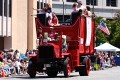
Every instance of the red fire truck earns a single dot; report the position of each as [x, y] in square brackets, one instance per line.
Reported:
[65, 48]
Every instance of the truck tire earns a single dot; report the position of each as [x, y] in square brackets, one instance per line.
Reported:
[66, 67]
[31, 70]
[84, 71]
[51, 72]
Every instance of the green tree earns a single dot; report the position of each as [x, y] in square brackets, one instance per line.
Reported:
[114, 28]
[100, 36]
[117, 16]
[115, 33]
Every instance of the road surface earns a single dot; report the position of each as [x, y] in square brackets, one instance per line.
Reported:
[107, 74]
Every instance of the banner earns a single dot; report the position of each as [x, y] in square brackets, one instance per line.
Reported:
[88, 31]
[82, 35]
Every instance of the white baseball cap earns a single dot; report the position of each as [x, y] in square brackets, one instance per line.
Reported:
[79, 1]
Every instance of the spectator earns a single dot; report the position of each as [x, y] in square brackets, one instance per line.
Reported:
[93, 60]
[5, 53]
[108, 63]
[1, 56]
[13, 63]
[98, 62]
[16, 55]
[17, 66]
[23, 66]
[112, 60]
[1, 64]
[11, 66]
[11, 53]
[6, 68]
[102, 61]
[27, 52]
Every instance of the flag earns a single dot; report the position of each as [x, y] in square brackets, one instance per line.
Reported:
[103, 28]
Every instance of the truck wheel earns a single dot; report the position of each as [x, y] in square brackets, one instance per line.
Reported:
[32, 74]
[66, 67]
[85, 69]
[31, 70]
[52, 72]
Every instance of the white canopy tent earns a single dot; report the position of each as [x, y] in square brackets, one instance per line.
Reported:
[107, 47]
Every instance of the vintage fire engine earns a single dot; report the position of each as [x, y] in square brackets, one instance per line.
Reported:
[53, 57]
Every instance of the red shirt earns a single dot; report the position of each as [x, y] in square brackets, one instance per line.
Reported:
[55, 20]
[1, 56]
[50, 23]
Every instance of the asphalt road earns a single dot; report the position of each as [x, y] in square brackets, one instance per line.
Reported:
[107, 74]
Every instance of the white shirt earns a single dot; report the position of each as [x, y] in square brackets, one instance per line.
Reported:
[17, 64]
[89, 13]
[81, 7]
[17, 55]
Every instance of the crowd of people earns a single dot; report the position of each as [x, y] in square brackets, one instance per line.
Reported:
[78, 7]
[102, 60]
[52, 19]
[14, 62]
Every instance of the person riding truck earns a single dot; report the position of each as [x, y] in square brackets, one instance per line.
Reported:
[64, 43]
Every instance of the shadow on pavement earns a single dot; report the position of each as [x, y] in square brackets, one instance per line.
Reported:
[40, 76]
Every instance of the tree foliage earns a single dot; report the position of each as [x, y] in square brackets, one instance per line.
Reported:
[114, 28]
[117, 16]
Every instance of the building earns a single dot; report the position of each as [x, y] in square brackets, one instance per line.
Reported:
[104, 8]
[17, 26]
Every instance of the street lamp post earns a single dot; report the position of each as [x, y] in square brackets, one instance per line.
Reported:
[93, 7]
[63, 9]
[39, 4]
